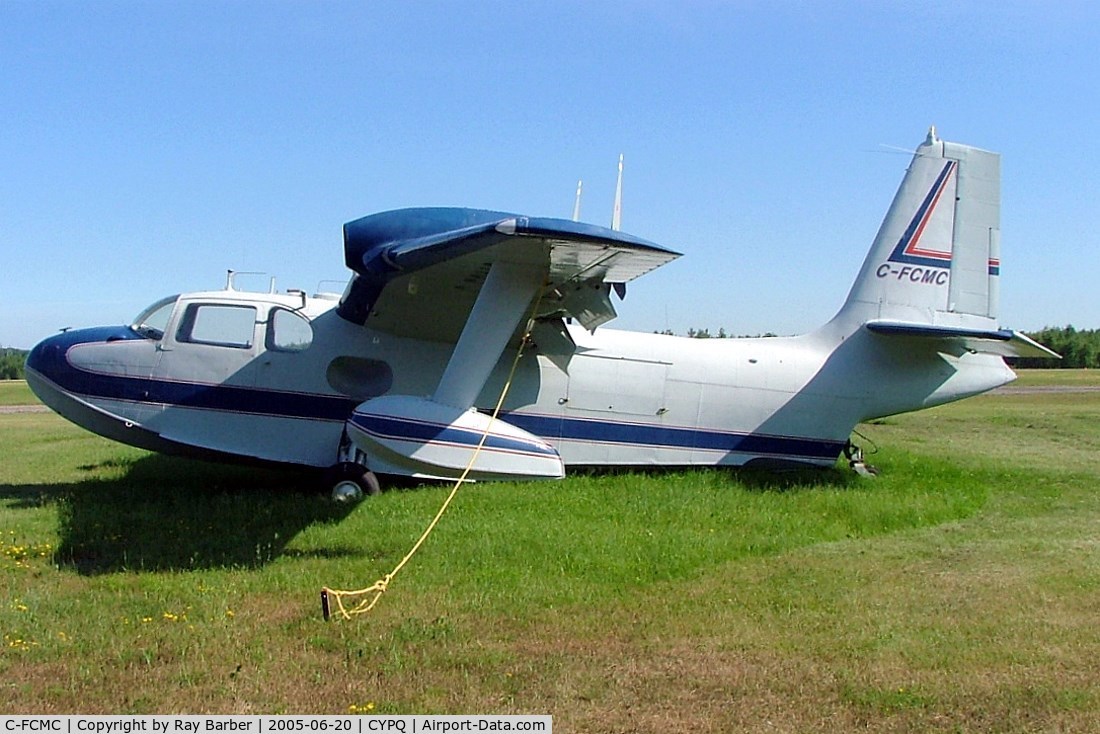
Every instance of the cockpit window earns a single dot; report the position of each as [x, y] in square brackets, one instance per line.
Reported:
[218, 324]
[288, 331]
[152, 322]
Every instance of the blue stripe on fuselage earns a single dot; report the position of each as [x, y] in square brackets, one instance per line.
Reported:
[641, 434]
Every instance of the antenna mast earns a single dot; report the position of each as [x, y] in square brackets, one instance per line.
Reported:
[617, 213]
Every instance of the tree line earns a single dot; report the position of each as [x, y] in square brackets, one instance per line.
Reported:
[11, 363]
[720, 334]
[1079, 348]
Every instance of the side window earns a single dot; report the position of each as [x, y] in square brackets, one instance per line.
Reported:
[218, 324]
[288, 331]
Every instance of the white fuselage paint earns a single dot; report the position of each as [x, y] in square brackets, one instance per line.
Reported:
[622, 399]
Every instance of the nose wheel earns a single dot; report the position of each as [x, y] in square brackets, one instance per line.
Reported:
[350, 482]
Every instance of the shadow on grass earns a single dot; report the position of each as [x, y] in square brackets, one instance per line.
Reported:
[170, 514]
[766, 478]
[795, 479]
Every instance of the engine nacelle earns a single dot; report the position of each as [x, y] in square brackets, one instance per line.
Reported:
[417, 437]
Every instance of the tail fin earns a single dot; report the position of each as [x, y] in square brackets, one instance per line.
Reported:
[936, 259]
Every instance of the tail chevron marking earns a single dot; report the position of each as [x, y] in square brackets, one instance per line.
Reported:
[908, 249]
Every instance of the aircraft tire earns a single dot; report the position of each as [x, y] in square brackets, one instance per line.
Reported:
[349, 482]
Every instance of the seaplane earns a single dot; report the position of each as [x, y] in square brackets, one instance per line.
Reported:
[400, 374]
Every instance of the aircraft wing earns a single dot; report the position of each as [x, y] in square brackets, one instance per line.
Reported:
[1005, 342]
[418, 272]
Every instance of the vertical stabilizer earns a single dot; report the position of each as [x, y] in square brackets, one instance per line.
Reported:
[936, 259]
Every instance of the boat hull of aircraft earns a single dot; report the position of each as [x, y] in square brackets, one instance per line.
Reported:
[631, 399]
[661, 410]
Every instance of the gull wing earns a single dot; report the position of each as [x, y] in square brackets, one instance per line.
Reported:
[418, 272]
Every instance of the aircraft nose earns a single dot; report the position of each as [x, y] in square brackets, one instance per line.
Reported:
[48, 355]
[45, 370]
[48, 359]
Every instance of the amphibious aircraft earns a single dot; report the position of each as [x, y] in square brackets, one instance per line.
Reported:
[397, 375]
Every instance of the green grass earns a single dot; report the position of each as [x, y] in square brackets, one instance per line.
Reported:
[1063, 378]
[956, 592]
[16, 392]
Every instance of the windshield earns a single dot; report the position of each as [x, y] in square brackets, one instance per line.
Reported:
[152, 322]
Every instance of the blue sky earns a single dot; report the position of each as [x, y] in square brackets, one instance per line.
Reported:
[146, 147]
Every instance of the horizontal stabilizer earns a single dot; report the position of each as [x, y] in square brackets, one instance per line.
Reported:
[1005, 342]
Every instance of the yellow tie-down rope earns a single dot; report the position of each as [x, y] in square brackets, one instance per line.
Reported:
[378, 588]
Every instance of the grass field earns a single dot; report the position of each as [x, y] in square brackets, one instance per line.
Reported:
[956, 592]
[16, 392]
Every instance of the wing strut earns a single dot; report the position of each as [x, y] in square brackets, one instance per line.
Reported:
[502, 302]
[433, 437]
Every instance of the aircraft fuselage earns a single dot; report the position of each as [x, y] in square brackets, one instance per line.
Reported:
[622, 399]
